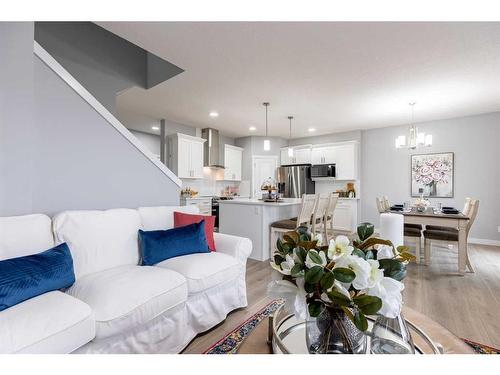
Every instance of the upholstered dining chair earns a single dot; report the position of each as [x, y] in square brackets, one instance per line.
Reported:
[309, 202]
[465, 211]
[450, 235]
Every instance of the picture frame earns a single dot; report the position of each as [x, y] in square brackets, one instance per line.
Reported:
[434, 173]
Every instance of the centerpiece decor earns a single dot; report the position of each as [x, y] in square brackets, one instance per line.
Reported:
[335, 287]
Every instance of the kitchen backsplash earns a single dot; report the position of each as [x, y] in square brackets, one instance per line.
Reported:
[210, 185]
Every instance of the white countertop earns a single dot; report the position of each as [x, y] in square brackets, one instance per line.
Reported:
[258, 202]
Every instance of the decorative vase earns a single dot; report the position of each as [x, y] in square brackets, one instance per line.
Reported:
[332, 332]
[391, 336]
[432, 189]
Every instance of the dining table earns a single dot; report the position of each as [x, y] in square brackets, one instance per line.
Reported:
[430, 217]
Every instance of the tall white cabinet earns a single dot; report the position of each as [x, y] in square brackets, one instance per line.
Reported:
[232, 162]
[185, 157]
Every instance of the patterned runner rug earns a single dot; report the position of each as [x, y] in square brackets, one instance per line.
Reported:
[230, 343]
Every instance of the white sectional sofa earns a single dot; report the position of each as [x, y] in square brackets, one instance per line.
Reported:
[116, 305]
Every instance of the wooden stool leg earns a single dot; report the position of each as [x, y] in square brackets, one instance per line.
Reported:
[427, 251]
[417, 249]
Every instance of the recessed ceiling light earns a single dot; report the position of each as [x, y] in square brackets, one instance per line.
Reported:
[155, 127]
[310, 130]
[213, 114]
[252, 128]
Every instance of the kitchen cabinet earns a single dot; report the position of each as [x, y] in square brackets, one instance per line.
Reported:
[185, 157]
[233, 157]
[344, 155]
[301, 155]
[345, 216]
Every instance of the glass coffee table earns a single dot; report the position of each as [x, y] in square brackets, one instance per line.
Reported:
[287, 335]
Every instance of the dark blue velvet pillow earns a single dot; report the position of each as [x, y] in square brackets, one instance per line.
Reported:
[159, 245]
[29, 276]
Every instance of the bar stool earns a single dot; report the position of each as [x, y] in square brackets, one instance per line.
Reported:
[309, 202]
[319, 215]
[328, 220]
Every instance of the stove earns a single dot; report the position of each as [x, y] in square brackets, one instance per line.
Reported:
[215, 208]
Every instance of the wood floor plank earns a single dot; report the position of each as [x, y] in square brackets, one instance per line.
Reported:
[468, 306]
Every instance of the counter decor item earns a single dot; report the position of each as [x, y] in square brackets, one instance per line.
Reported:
[421, 204]
[433, 173]
[269, 185]
[335, 287]
[188, 193]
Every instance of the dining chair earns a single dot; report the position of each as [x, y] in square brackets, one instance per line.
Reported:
[319, 214]
[309, 202]
[328, 220]
[380, 205]
[465, 211]
[451, 234]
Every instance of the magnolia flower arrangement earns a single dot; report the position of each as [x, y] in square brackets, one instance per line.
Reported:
[431, 170]
[362, 278]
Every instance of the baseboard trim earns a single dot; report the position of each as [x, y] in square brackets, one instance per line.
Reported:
[484, 241]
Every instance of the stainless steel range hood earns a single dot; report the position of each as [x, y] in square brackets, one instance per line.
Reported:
[213, 152]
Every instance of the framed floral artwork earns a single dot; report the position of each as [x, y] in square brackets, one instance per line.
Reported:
[434, 174]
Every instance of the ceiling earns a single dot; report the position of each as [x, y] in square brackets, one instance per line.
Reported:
[331, 76]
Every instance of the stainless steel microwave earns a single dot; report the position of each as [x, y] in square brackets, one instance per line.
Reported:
[323, 170]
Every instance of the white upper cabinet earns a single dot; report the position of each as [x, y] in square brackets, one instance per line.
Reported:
[185, 157]
[323, 154]
[301, 155]
[232, 162]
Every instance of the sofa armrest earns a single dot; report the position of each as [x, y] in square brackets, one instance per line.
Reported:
[238, 247]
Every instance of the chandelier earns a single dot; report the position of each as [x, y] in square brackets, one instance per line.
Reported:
[415, 139]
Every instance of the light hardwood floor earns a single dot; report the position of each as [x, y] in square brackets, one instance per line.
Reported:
[468, 306]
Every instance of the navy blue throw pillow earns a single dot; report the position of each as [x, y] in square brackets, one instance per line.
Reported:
[159, 245]
[29, 276]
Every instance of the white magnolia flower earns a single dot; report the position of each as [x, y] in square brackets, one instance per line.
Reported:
[359, 266]
[285, 267]
[309, 262]
[317, 237]
[339, 247]
[389, 291]
[385, 252]
[376, 274]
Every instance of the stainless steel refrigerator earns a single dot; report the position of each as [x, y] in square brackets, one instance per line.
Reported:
[295, 180]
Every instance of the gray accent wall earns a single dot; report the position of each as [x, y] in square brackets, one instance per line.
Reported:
[474, 140]
[57, 153]
[104, 63]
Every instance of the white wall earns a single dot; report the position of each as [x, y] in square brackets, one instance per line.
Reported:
[474, 140]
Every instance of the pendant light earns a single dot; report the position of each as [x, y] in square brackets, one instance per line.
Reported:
[290, 149]
[267, 142]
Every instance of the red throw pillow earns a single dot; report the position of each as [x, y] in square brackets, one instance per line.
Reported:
[181, 219]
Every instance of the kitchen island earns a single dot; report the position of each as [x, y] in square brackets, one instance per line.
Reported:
[251, 218]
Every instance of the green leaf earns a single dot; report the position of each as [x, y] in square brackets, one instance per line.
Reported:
[278, 259]
[309, 288]
[304, 237]
[360, 321]
[359, 253]
[308, 245]
[393, 268]
[292, 238]
[314, 256]
[369, 255]
[344, 275]
[375, 241]
[302, 230]
[279, 245]
[327, 280]
[287, 248]
[301, 253]
[315, 308]
[365, 230]
[296, 270]
[368, 305]
[339, 298]
[313, 275]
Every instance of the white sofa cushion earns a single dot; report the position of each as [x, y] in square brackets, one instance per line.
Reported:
[99, 240]
[25, 235]
[125, 297]
[203, 270]
[50, 323]
[162, 217]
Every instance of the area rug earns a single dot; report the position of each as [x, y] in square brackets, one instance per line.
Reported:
[230, 343]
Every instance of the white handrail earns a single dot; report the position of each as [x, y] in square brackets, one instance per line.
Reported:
[99, 108]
